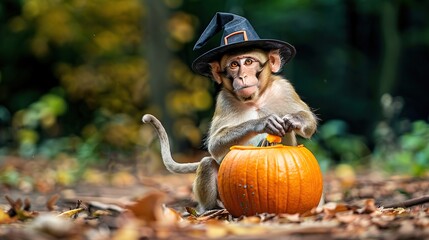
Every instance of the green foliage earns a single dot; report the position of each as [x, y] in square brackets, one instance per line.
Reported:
[333, 144]
[40, 116]
[409, 154]
[10, 176]
[400, 146]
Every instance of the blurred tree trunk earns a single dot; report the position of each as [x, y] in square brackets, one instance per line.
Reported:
[392, 47]
[158, 57]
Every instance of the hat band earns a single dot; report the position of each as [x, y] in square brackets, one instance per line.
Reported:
[235, 33]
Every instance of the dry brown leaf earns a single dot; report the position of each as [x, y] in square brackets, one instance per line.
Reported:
[331, 208]
[290, 218]
[170, 217]
[148, 208]
[52, 201]
[369, 207]
[19, 209]
[213, 214]
[346, 217]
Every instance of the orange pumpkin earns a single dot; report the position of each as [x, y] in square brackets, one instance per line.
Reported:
[272, 179]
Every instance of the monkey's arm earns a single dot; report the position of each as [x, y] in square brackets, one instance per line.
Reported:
[224, 135]
[223, 138]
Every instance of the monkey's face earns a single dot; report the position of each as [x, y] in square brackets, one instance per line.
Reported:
[240, 73]
[246, 74]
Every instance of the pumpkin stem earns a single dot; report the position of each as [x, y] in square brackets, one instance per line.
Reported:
[274, 139]
[270, 140]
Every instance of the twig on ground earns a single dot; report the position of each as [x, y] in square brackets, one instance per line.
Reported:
[409, 203]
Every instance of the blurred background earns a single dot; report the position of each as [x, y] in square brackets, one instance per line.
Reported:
[76, 77]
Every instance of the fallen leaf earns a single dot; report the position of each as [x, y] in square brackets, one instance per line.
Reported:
[5, 218]
[170, 216]
[369, 206]
[52, 201]
[290, 218]
[70, 213]
[213, 214]
[192, 211]
[130, 231]
[149, 207]
[216, 229]
[332, 208]
[346, 217]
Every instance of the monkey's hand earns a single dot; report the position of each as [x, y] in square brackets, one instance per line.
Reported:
[272, 124]
[292, 122]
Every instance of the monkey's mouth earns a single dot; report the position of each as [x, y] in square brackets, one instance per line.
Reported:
[247, 92]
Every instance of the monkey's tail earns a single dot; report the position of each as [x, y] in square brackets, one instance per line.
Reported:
[169, 162]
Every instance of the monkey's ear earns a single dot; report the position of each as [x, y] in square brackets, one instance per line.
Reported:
[215, 68]
[275, 60]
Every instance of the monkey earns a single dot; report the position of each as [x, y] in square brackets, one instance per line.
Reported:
[253, 101]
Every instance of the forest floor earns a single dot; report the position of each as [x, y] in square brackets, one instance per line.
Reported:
[128, 205]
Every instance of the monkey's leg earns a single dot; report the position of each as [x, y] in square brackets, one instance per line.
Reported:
[205, 184]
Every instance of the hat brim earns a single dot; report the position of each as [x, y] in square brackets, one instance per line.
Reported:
[201, 64]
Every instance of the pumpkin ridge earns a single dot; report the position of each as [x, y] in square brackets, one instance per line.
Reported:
[289, 190]
[287, 184]
[250, 167]
[266, 164]
[245, 195]
[301, 179]
[238, 189]
[304, 173]
[272, 186]
[256, 198]
[229, 196]
[235, 201]
[287, 197]
[282, 182]
[277, 185]
[263, 194]
[310, 165]
[317, 179]
[293, 208]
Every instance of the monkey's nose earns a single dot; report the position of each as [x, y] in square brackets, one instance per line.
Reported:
[243, 77]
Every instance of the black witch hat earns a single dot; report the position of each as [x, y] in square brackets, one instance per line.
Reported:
[237, 33]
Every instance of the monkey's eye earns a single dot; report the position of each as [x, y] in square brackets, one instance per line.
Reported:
[248, 61]
[233, 65]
